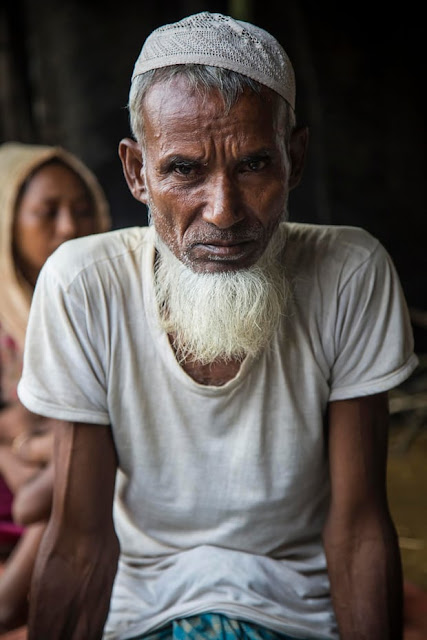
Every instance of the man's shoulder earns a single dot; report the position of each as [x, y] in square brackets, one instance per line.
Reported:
[97, 252]
[333, 244]
[336, 237]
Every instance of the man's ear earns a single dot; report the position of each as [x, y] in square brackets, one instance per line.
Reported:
[132, 162]
[298, 149]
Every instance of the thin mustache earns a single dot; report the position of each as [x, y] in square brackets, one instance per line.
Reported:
[224, 236]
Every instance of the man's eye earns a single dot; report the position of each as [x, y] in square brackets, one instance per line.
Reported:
[256, 164]
[184, 169]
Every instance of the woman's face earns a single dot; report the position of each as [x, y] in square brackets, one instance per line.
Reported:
[55, 206]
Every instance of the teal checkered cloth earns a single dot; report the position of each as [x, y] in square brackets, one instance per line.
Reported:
[212, 626]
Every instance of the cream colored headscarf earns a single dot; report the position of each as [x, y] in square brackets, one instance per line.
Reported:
[17, 162]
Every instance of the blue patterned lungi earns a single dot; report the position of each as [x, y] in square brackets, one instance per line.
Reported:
[212, 626]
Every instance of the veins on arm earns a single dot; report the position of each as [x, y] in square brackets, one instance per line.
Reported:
[359, 536]
[78, 556]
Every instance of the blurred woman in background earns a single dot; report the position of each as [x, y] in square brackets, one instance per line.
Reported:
[47, 196]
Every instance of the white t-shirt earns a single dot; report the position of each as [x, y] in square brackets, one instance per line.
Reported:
[222, 492]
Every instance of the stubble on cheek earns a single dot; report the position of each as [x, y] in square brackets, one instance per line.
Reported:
[187, 243]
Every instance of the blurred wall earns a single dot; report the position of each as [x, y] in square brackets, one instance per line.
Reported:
[64, 78]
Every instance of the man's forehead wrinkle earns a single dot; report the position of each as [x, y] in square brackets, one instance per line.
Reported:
[169, 107]
[208, 144]
[186, 124]
[195, 132]
[186, 137]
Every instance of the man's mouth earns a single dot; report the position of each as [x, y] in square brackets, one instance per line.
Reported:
[223, 250]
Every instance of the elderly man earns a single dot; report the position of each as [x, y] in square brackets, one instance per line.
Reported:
[221, 376]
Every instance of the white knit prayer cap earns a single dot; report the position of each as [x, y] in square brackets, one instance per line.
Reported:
[220, 41]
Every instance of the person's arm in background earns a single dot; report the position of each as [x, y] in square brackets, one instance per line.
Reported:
[77, 560]
[360, 540]
[32, 502]
[23, 432]
[15, 419]
[15, 579]
[27, 467]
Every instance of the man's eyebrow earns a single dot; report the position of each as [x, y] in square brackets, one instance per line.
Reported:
[259, 154]
[178, 158]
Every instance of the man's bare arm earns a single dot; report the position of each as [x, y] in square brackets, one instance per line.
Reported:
[78, 556]
[360, 539]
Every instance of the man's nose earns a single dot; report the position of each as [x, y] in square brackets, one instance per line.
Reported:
[223, 206]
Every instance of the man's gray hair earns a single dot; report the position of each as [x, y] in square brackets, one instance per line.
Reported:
[203, 79]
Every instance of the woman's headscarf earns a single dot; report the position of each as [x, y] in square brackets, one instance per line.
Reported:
[17, 162]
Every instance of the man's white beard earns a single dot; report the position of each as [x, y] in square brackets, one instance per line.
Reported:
[225, 315]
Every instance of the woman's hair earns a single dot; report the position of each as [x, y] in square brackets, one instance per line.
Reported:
[203, 79]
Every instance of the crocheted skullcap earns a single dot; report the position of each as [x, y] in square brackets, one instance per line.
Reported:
[220, 41]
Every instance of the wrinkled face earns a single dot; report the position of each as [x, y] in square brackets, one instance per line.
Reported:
[217, 183]
[55, 206]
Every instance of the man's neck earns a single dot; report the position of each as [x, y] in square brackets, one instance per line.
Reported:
[215, 373]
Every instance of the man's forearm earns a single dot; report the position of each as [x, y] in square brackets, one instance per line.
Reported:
[366, 584]
[71, 588]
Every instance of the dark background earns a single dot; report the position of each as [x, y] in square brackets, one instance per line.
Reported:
[65, 69]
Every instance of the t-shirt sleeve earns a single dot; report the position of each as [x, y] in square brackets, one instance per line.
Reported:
[63, 373]
[373, 338]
